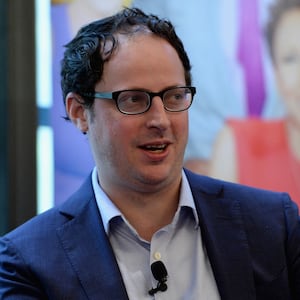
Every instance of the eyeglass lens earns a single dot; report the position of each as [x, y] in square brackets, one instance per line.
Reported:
[176, 99]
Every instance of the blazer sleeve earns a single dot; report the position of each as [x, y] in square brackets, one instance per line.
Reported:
[293, 246]
[16, 280]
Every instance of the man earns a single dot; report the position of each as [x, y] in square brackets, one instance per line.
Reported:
[141, 227]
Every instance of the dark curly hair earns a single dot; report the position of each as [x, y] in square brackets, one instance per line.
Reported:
[277, 10]
[84, 57]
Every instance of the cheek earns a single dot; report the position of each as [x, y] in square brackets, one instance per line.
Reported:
[290, 95]
[181, 128]
[116, 133]
[288, 81]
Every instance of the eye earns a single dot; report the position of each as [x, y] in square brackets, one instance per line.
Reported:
[131, 97]
[135, 98]
[290, 58]
[179, 96]
[176, 94]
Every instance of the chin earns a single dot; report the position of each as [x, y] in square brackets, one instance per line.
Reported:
[157, 174]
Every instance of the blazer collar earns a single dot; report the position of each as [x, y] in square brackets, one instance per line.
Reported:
[224, 237]
[88, 249]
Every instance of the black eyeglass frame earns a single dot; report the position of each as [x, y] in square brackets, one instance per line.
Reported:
[114, 96]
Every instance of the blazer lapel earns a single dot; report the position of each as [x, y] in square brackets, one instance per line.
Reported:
[88, 249]
[224, 237]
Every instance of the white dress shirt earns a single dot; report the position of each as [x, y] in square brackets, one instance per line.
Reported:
[178, 245]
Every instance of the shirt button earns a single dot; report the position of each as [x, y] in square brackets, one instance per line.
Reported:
[157, 255]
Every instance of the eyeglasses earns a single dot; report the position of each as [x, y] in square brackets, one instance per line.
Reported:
[133, 102]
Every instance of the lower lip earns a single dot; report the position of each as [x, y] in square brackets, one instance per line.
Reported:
[156, 156]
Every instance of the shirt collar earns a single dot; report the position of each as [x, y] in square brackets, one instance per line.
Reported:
[108, 210]
[186, 198]
[106, 207]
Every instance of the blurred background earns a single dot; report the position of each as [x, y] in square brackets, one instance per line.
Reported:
[244, 122]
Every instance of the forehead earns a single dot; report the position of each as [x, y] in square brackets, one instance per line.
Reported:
[145, 49]
[142, 59]
[287, 32]
[289, 23]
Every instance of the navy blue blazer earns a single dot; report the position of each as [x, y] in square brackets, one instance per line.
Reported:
[252, 239]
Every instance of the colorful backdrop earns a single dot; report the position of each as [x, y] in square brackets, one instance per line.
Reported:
[244, 122]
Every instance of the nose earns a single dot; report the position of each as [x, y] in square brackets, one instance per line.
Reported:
[157, 116]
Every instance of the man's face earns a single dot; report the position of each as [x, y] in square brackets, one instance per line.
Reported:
[287, 62]
[139, 152]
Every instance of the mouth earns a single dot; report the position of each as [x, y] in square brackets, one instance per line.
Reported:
[155, 148]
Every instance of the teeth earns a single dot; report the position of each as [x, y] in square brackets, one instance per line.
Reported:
[155, 147]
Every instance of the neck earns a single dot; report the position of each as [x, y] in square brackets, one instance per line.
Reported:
[148, 212]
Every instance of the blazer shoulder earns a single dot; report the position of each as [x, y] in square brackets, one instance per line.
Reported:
[46, 223]
[247, 196]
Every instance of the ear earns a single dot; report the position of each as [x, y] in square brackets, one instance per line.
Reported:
[77, 111]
